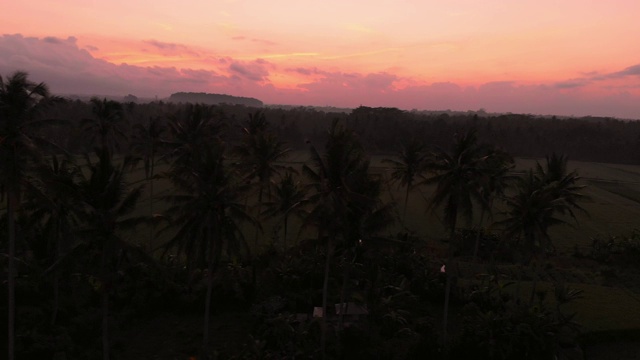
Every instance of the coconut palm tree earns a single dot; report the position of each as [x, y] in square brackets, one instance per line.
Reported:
[289, 200]
[566, 184]
[412, 164]
[543, 198]
[189, 133]
[206, 206]
[497, 176]
[107, 125]
[20, 103]
[147, 142]
[331, 195]
[259, 156]
[260, 152]
[256, 123]
[457, 177]
[366, 217]
[108, 202]
[52, 201]
[206, 209]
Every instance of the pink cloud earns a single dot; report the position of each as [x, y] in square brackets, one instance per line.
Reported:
[69, 69]
[253, 71]
[171, 48]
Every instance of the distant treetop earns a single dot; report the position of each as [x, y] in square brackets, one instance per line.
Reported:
[213, 99]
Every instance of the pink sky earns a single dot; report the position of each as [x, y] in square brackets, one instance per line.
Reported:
[543, 57]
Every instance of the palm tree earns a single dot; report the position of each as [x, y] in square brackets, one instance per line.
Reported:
[107, 125]
[496, 177]
[411, 165]
[107, 203]
[53, 203]
[206, 207]
[457, 178]
[289, 199]
[189, 133]
[366, 217]
[566, 184]
[146, 144]
[256, 123]
[329, 176]
[542, 199]
[259, 153]
[20, 102]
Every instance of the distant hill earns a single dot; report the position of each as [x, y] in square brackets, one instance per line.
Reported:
[213, 99]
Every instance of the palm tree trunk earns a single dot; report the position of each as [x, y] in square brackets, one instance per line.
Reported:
[286, 219]
[105, 325]
[447, 291]
[406, 201]
[344, 303]
[325, 294]
[214, 249]
[56, 296]
[255, 243]
[61, 233]
[207, 307]
[105, 303]
[12, 203]
[152, 227]
[477, 245]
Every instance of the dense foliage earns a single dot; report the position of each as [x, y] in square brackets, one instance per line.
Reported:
[145, 210]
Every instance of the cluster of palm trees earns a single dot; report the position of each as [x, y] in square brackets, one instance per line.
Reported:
[82, 206]
[473, 176]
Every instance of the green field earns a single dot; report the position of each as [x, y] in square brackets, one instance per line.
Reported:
[613, 207]
[612, 204]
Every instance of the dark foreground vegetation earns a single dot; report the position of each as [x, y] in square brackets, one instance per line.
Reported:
[193, 231]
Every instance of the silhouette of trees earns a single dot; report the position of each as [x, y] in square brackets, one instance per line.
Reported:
[146, 143]
[20, 103]
[290, 199]
[334, 177]
[412, 164]
[206, 207]
[107, 126]
[458, 175]
[75, 213]
[260, 152]
[543, 198]
[497, 175]
[53, 203]
[108, 201]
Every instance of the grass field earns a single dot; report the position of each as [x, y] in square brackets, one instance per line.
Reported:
[612, 204]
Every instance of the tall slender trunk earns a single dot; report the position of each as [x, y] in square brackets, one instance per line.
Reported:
[105, 301]
[447, 291]
[406, 201]
[534, 285]
[344, 301]
[325, 294]
[61, 233]
[12, 202]
[286, 219]
[150, 180]
[477, 244]
[56, 281]
[255, 243]
[207, 306]
[105, 325]
[215, 248]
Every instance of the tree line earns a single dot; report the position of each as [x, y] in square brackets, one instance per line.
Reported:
[72, 207]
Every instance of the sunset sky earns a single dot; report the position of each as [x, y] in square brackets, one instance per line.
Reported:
[564, 57]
